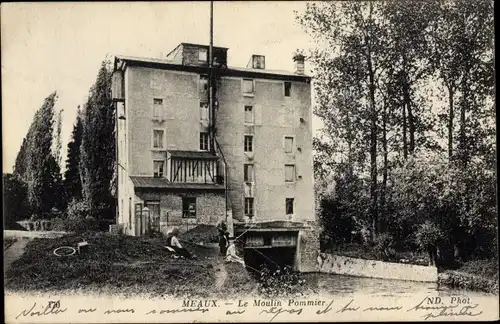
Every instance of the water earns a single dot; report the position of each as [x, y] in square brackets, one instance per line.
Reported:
[343, 286]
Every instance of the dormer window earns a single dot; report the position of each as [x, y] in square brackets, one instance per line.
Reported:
[202, 55]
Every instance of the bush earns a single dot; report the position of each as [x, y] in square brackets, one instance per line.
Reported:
[468, 281]
[279, 283]
[79, 220]
[384, 246]
[59, 224]
[428, 235]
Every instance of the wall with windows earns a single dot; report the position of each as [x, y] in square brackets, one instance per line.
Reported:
[184, 209]
[163, 113]
[263, 123]
[267, 124]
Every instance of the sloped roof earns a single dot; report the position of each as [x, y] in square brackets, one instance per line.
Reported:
[204, 155]
[229, 71]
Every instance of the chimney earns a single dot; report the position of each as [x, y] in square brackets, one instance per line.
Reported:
[299, 58]
[257, 62]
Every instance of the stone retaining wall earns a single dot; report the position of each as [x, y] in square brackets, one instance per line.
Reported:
[329, 263]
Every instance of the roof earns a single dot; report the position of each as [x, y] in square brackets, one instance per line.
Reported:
[202, 45]
[163, 183]
[270, 225]
[205, 155]
[229, 71]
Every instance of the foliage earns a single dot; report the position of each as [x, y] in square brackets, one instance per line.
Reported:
[379, 162]
[72, 180]
[279, 283]
[37, 166]
[79, 217]
[469, 281]
[14, 199]
[97, 157]
[384, 247]
[428, 235]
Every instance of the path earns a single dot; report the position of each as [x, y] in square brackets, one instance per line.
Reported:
[220, 275]
[14, 252]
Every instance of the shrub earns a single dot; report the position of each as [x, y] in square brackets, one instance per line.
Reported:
[428, 235]
[59, 224]
[384, 246]
[278, 283]
[79, 220]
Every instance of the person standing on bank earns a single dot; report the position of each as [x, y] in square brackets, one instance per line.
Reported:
[223, 238]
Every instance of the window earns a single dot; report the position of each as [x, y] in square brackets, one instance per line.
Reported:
[157, 108]
[203, 83]
[288, 144]
[158, 167]
[288, 88]
[248, 143]
[202, 55]
[289, 206]
[204, 141]
[248, 172]
[158, 139]
[249, 206]
[249, 115]
[289, 173]
[248, 86]
[203, 111]
[188, 207]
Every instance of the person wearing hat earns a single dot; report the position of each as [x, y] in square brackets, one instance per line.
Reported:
[223, 238]
[231, 253]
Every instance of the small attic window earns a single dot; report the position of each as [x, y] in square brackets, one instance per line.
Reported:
[202, 55]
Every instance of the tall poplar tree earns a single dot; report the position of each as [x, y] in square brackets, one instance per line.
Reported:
[72, 181]
[98, 148]
[36, 164]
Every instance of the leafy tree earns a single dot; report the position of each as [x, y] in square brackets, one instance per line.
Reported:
[36, 164]
[72, 181]
[463, 43]
[375, 65]
[14, 199]
[357, 40]
[98, 148]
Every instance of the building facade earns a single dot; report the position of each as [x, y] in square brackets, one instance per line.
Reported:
[242, 155]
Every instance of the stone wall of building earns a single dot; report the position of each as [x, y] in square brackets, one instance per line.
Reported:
[308, 249]
[210, 208]
[275, 116]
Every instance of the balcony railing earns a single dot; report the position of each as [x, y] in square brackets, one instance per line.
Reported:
[195, 167]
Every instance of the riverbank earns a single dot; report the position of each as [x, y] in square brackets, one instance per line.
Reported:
[479, 275]
[115, 263]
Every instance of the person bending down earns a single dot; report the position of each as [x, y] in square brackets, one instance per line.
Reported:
[173, 242]
[231, 253]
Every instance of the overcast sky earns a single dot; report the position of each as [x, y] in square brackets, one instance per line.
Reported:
[60, 46]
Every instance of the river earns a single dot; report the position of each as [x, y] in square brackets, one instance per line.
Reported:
[339, 285]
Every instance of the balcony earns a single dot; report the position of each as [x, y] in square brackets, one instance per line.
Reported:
[194, 167]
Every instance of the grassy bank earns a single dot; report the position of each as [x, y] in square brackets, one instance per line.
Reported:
[480, 275]
[114, 263]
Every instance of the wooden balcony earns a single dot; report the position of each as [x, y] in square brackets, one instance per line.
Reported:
[196, 167]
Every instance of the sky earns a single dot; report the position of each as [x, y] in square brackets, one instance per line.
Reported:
[59, 47]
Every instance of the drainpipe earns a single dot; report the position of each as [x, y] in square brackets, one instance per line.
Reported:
[210, 80]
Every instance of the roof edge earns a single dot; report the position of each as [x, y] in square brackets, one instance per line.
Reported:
[235, 71]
